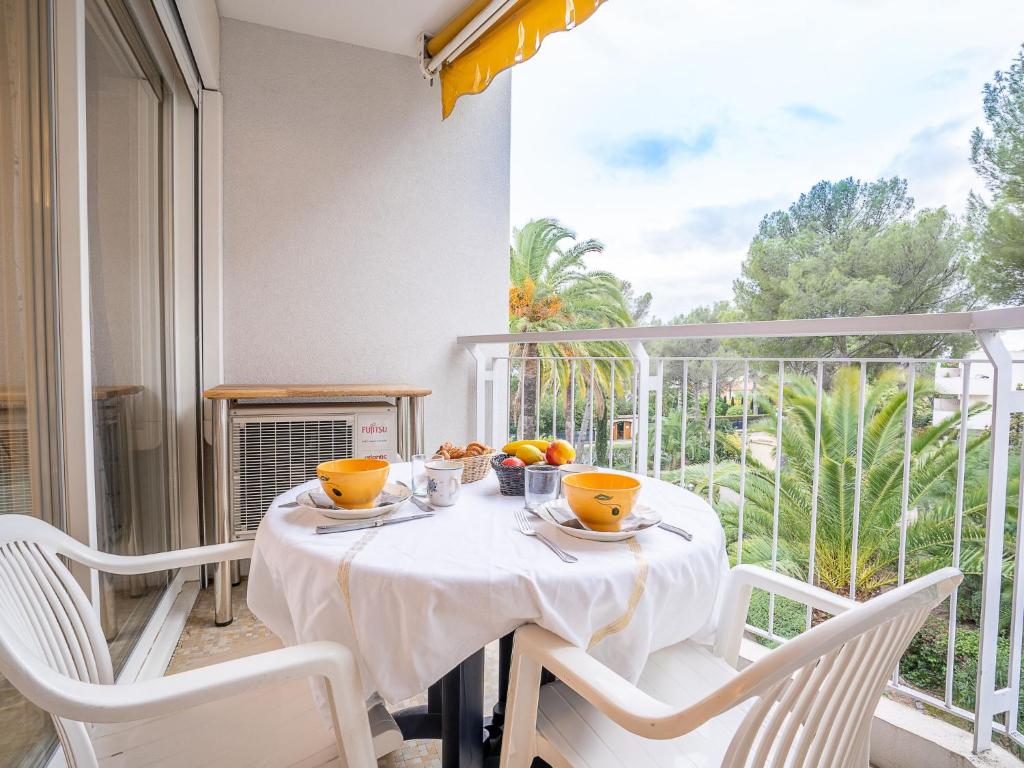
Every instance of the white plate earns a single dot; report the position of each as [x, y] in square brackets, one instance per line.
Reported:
[390, 499]
[558, 514]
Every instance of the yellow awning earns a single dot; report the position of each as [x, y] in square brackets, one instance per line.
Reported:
[514, 38]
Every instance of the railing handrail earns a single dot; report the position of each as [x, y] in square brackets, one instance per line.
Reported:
[1008, 318]
[746, 359]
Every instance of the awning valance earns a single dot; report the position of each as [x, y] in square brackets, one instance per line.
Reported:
[489, 36]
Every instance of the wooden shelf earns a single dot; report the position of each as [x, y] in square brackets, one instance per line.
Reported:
[110, 391]
[267, 391]
[100, 392]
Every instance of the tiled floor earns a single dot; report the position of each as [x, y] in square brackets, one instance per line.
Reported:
[202, 643]
[26, 734]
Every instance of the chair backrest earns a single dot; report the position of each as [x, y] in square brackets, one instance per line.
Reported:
[47, 624]
[814, 697]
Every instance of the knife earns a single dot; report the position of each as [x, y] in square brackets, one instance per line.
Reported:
[387, 502]
[676, 530]
[372, 524]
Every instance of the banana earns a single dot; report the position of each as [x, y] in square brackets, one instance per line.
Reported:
[510, 448]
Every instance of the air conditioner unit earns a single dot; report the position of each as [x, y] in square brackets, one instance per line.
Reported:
[276, 447]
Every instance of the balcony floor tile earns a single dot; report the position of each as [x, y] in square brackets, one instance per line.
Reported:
[202, 643]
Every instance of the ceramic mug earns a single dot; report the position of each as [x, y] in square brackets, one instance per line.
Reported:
[444, 480]
[571, 469]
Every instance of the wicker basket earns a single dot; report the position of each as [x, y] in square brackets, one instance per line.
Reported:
[511, 480]
[473, 467]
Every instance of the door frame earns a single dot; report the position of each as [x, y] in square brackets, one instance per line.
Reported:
[72, 245]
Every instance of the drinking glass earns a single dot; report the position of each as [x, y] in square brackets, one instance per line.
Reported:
[418, 462]
[541, 484]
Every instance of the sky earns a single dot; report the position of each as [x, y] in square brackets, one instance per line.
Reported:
[668, 128]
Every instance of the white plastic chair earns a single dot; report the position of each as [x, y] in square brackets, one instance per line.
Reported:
[807, 704]
[53, 651]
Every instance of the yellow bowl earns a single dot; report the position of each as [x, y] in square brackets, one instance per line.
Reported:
[601, 500]
[353, 483]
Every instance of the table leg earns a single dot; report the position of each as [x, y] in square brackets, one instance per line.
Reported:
[416, 436]
[454, 714]
[496, 726]
[434, 698]
[403, 422]
[222, 513]
[409, 440]
[462, 715]
[422, 722]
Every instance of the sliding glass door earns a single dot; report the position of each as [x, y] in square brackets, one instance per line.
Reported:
[98, 166]
[127, 311]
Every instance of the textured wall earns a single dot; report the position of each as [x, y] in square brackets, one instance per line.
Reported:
[361, 234]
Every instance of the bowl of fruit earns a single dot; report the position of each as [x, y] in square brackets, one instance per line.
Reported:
[510, 465]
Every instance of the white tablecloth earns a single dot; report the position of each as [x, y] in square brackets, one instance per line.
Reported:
[415, 599]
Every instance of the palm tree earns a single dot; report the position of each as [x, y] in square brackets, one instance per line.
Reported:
[933, 470]
[552, 290]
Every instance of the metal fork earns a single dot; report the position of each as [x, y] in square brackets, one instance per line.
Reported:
[526, 528]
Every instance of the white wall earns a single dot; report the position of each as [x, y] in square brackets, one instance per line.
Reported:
[361, 234]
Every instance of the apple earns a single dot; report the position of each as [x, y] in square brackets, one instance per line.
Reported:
[512, 461]
[560, 452]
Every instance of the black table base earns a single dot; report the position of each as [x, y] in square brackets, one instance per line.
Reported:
[454, 714]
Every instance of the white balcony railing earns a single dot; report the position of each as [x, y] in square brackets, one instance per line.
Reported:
[948, 486]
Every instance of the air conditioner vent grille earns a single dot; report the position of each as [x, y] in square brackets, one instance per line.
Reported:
[15, 484]
[269, 456]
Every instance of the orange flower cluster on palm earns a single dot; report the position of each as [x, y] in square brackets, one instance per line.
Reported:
[522, 303]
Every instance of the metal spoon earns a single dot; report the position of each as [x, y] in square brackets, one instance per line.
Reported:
[417, 500]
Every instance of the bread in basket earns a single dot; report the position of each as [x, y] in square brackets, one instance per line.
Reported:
[475, 459]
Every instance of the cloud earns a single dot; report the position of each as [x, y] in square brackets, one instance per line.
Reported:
[702, 277]
[811, 114]
[945, 78]
[655, 152]
[714, 227]
[935, 162]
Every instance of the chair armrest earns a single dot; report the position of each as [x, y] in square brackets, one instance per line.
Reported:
[92, 703]
[162, 561]
[740, 584]
[88, 702]
[125, 565]
[27, 528]
[612, 694]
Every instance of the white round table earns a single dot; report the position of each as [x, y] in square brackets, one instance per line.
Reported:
[418, 601]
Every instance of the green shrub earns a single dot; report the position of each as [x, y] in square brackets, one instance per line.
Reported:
[790, 617]
[924, 663]
[969, 605]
